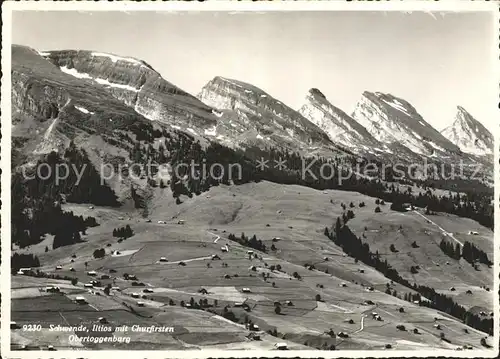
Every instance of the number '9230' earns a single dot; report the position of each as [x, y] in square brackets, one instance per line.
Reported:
[32, 327]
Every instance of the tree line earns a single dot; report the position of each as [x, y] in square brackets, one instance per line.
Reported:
[176, 147]
[251, 242]
[123, 232]
[41, 197]
[18, 261]
[472, 254]
[36, 199]
[475, 203]
[452, 251]
[469, 252]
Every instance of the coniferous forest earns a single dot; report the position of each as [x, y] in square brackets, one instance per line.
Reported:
[470, 199]
[36, 202]
[42, 197]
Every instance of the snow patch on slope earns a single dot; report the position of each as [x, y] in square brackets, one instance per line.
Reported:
[397, 105]
[84, 110]
[435, 146]
[115, 85]
[115, 58]
[104, 82]
[75, 73]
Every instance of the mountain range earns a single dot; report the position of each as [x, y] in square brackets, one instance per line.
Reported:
[235, 113]
[363, 263]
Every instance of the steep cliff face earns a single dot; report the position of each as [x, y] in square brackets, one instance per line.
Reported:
[390, 119]
[469, 134]
[340, 127]
[138, 85]
[50, 108]
[49, 103]
[250, 115]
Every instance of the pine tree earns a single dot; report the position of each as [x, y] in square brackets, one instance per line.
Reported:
[457, 251]
[128, 231]
[338, 226]
[77, 237]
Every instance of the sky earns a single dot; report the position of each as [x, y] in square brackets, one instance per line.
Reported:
[434, 61]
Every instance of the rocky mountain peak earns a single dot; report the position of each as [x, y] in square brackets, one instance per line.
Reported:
[339, 126]
[393, 120]
[317, 93]
[469, 134]
[250, 115]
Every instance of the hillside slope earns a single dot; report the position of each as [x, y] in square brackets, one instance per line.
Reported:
[297, 216]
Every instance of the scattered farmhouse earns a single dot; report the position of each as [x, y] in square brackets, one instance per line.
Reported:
[281, 346]
[80, 300]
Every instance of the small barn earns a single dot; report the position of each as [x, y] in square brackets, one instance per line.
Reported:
[80, 300]
[281, 346]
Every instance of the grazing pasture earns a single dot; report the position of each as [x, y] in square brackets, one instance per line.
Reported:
[303, 286]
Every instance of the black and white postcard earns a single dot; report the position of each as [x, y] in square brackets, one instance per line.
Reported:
[249, 179]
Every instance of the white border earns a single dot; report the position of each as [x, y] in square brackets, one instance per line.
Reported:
[229, 6]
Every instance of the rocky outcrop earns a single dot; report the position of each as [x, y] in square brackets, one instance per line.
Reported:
[340, 127]
[50, 104]
[469, 134]
[50, 108]
[249, 115]
[392, 120]
[138, 85]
